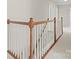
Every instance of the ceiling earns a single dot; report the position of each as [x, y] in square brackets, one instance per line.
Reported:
[62, 2]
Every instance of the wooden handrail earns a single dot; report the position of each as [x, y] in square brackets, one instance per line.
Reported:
[55, 40]
[17, 22]
[27, 23]
[51, 47]
[11, 53]
[39, 22]
[42, 22]
[14, 55]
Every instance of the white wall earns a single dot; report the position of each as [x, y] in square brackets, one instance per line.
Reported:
[64, 11]
[53, 9]
[23, 9]
[40, 8]
[18, 9]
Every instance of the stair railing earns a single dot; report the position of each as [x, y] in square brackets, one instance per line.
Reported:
[31, 25]
[55, 36]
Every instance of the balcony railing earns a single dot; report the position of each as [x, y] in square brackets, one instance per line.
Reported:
[43, 35]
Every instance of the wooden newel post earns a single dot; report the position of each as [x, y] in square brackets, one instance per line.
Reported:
[54, 29]
[31, 26]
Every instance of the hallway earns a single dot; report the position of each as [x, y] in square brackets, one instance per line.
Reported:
[62, 49]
